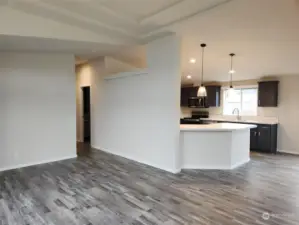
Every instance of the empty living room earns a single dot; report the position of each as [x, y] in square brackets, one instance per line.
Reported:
[149, 112]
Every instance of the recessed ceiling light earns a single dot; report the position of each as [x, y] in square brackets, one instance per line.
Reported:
[232, 71]
[192, 60]
[189, 76]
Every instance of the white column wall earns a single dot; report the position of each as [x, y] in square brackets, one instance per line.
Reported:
[137, 117]
[240, 152]
[206, 150]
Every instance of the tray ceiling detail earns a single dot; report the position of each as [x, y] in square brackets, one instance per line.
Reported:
[127, 19]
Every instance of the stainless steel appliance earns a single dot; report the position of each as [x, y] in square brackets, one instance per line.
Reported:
[196, 118]
[197, 102]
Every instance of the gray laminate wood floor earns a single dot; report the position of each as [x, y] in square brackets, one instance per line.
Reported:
[98, 188]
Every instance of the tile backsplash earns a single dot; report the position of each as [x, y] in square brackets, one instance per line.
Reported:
[268, 113]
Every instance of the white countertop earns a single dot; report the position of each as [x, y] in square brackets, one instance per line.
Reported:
[258, 121]
[215, 127]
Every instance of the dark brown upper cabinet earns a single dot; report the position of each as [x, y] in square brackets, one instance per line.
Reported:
[213, 95]
[184, 96]
[268, 93]
[193, 92]
[186, 93]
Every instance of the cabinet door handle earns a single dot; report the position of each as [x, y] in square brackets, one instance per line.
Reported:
[259, 133]
[254, 133]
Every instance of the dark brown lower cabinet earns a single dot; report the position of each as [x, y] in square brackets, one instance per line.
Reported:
[253, 138]
[264, 138]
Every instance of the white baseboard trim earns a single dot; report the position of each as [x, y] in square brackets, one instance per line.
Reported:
[36, 163]
[236, 165]
[175, 171]
[205, 167]
[209, 167]
[137, 160]
[288, 152]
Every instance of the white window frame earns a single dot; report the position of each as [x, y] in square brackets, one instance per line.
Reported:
[238, 87]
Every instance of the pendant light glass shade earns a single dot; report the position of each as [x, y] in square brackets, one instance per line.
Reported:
[231, 91]
[202, 91]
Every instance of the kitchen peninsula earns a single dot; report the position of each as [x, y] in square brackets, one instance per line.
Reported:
[215, 146]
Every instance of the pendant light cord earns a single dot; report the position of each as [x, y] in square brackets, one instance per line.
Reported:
[203, 50]
[202, 62]
[231, 69]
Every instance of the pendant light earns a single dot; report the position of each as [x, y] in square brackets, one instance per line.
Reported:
[202, 92]
[231, 72]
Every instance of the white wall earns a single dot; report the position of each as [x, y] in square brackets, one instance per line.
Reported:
[91, 74]
[287, 113]
[37, 113]
[138, 116]
[85, 77]
[113, 66]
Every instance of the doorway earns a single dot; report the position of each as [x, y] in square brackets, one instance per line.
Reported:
[86, 114]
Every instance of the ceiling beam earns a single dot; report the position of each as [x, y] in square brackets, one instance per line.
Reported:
[79, 20]
[87, 10]
[182, 19]
[149, 16]
[100, 4]
[117, 14]
[97, 5]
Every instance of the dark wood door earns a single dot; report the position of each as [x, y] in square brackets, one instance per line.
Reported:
[268, 94]
[254, 138]
[86, 113]
[264, 138]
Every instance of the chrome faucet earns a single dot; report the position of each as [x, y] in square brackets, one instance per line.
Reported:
[238, 113]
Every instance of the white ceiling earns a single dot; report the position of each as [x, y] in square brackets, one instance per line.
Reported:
[34, 44]
[264, 34]
[131, 19]
[84, 50]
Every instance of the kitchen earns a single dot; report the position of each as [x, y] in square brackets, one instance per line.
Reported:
[225, 106]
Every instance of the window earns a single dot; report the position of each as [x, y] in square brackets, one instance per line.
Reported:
[245, 99]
